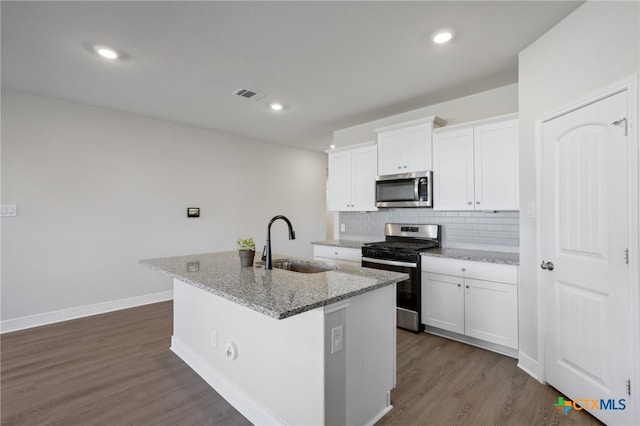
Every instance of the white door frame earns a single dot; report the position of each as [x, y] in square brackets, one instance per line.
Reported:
[629, 84]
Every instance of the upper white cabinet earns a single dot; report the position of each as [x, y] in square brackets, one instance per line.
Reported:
[475, 165]
[406, 147]
[352, 173]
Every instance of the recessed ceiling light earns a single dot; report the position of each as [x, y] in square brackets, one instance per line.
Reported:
[106, 52]
[276, 106]
[442, 37]
[332, 146]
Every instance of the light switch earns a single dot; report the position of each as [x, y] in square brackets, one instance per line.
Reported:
[214, 339]
[531, 210]
[8, 210]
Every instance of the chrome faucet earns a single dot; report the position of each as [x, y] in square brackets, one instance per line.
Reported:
[267, 249]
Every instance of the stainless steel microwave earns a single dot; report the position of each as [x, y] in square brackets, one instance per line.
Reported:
[405, 190]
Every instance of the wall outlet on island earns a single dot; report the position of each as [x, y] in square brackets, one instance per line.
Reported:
[337, 340]
[342, 227]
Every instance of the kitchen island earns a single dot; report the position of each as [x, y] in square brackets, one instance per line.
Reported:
[286, 347]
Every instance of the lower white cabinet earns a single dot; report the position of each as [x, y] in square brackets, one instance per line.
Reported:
[337, 255]
[474, 299]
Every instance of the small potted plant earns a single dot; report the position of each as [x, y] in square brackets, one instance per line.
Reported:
[247, 251]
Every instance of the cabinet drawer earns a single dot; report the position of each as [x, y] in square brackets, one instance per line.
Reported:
[338, 253]
[471, 269]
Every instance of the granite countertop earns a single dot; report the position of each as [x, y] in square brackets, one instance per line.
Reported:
[451, 253]
[277, 293]
[341, 243]
[475, 255]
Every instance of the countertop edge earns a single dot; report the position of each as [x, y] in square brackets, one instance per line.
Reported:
[354, 244]
[279, 315]
[486, 256]
[475, 256]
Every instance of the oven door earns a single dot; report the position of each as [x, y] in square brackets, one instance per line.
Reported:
[407, 291]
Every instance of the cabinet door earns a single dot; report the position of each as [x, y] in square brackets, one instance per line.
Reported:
[443, 302]
[364, 168]
[339, 186]
[391, 153]
[496, 166]
[418, 151]
[491, 312]
[453, 170]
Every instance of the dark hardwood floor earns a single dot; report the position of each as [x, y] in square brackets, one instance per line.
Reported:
[443, 382]
[116, 369]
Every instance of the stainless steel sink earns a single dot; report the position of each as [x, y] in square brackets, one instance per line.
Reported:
[299, 266]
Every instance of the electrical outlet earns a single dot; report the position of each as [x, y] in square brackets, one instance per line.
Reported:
[337, 339]
[342, 227]
[232, 351]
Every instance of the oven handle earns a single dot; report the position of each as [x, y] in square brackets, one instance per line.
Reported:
[390, 262]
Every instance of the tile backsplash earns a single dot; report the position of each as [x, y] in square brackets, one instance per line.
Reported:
[495, 231]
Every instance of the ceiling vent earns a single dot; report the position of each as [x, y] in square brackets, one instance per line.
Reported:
[249, 94]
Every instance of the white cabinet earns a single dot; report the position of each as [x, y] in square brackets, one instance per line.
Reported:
[406, 147]
[352, 173]
[337, 255]
[474, 299]
[475, 165]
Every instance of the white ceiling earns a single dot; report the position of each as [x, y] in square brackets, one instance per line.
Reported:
[332, 64]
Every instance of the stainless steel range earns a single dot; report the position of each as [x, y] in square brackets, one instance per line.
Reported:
[400, 252]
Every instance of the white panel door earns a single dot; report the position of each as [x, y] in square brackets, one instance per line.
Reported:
[496, 166]
[585, 234]
[443, 302]
[453, 170]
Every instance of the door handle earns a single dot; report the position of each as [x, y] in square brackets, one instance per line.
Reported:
[547, 265]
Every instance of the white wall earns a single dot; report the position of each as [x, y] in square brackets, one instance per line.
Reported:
[503, 100]
[594, 47]
[97, 190]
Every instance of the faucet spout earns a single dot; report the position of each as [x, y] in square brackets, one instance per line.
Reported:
[268, 264]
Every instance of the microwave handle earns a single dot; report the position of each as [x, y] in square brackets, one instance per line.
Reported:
[416, 189]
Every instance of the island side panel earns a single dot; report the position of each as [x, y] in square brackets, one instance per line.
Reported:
[371, 355]
[278, 375]
[335, 364]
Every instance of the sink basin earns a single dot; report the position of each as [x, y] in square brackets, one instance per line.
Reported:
[299, 266]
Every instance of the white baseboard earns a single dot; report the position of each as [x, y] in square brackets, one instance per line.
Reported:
[247, 406]
[529, 366]
[22, 323]
[494, 347]
[380, 415]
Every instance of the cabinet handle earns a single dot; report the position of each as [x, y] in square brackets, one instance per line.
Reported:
[466, 286]
[405, 167]
[477, 202]
[462, 269]
[459, 285]
[469, 202]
